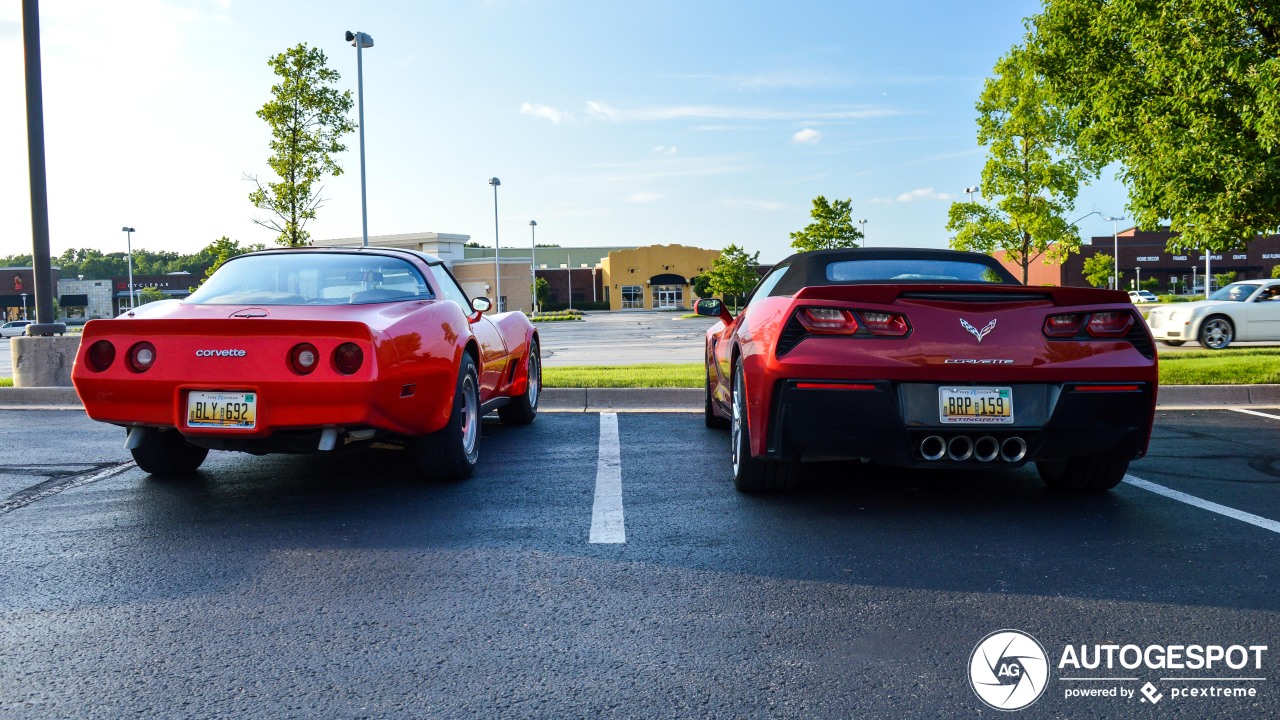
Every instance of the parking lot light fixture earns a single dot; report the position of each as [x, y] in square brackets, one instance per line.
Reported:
[361, 41]
[24, 305]
[133, 296]
[497, 268]
[971, 190]
[533, 263]
[862, 225]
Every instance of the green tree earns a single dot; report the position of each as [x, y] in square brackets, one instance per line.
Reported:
[1185, 95]
[1224, 279]
[542, 291]
[1098, 269]
[733, 274]
[149, 295]
[1032, 173]
[1275, 272]
[308, 117]
[702, 286]
[832, 227]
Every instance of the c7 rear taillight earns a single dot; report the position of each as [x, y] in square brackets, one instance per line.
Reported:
[348, 357]
[828, 321]
[101, 354]
[304, 358]
[1064, 326]
[1109, 324]
[884, 323]
[142, 356]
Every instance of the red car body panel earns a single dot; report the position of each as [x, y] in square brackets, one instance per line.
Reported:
[405, 385]
[937, 350]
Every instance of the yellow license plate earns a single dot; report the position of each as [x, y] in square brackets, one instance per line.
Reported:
[975, 405]
[222, 409]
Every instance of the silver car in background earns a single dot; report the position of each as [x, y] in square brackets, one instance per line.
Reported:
[1245, 311]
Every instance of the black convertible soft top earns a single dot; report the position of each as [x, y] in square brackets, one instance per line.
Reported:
[886, 266]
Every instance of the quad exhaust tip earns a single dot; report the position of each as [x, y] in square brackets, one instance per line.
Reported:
[933, 448]
[986, 449]
[1013, 449]
[960, 448]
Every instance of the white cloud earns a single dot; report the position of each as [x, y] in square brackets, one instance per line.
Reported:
[913, 195]
[807, 136]
[923, 194]
[544, 111]
[644, 197]
[665, 150]
[601, 111]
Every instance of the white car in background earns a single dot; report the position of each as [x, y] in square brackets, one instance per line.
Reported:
[1246, 311]
[14, 328]
[1142, 296]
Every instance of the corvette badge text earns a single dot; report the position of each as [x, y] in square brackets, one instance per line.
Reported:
[1010, 670]
[233, 352]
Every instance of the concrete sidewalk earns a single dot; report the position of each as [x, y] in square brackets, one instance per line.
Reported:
[1172, 397]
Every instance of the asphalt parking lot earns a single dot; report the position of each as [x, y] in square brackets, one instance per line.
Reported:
[304, 586]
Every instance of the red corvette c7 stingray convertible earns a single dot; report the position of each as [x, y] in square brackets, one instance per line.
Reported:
[312, 350]
[929, 359]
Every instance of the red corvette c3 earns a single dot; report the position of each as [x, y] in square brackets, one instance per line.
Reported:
[312, 350]
[928, 359]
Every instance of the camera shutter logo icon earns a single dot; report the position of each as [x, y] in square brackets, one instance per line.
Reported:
[1008, 670]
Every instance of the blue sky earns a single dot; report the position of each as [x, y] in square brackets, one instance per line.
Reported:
[610, 123]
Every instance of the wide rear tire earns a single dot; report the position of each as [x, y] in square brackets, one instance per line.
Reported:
[166, 452]
[452, 452]
[752, 474]
[522, 410]
[1083, 474]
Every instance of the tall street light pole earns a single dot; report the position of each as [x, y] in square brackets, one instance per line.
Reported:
[533, 262]
[24, 305]
[497, 269]
[862, 225]
[128, 244]
[971, 190]
[361, 41]
[1115, 248]
[41, 263]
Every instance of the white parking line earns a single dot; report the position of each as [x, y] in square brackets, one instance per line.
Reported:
[1255, 412]
[1212, 507]
[607, 522]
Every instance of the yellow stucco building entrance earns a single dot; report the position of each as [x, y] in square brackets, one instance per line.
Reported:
[654, 277]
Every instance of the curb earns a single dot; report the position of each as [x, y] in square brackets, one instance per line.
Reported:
[691, 399]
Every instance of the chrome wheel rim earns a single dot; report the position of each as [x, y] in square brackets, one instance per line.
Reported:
[535, 376]
[735, 435]
[470, 415]
[1217, 333]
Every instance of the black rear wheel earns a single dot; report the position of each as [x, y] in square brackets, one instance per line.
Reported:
[452, 452]
[752, 474]
[522, 410]
[1083, 474]
[166, 452]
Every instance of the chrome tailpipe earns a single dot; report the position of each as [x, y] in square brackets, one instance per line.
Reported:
[933, 448]
[1013, 449]
[960, 448]
[986, 449]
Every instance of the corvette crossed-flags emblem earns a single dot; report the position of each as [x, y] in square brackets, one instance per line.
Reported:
[975, 331]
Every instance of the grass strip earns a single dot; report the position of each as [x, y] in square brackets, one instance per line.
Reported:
[1241, 366]
[683, 375]
[6, 382]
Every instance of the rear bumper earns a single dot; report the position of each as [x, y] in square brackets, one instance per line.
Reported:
[887, 422]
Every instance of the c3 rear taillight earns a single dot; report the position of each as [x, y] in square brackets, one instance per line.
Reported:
[884, 323]
[348, 357]
[101, 354]
[828, 321]
[304, 358]
[1109, 324]
[1064, 326]
[142, 356]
